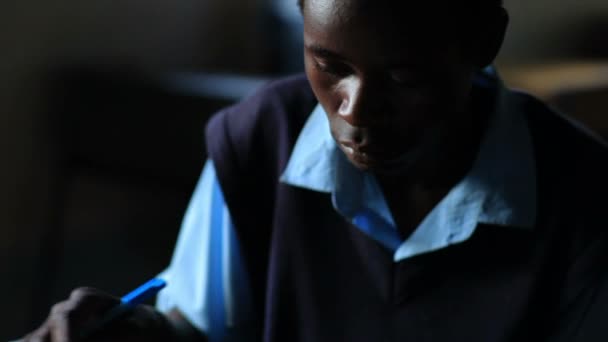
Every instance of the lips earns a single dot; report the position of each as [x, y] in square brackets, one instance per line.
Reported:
[362, 156]
[382, 162]
[363, 159]
[363, 150]
[368, 149]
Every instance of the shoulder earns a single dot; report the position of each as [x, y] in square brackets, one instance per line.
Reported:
[251, 141]
[571, 161]
[274, 113]
[564, 146]
[250, 144]
[572, 181]
[284, 99]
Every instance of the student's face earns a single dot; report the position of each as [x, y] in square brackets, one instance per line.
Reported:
[387, 76]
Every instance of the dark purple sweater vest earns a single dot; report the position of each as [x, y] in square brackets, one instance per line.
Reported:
[314, 277]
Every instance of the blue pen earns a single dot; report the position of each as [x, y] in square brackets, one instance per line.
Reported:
[127, 303]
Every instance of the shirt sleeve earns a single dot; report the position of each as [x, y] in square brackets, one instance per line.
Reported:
[205, 279]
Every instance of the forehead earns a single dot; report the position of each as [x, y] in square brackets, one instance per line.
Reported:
[378, 26]
[410, 13]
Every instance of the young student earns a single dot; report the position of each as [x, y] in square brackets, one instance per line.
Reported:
[396, 192]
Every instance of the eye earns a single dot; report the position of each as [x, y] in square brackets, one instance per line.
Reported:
[335, 69]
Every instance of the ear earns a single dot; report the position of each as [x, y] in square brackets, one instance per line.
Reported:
[489, 37]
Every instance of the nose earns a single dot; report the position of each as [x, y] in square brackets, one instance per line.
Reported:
[360, 103]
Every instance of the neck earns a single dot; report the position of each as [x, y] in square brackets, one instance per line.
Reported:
[411, 196]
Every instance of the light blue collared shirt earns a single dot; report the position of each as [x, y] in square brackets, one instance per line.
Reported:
[499, 189]
[207, 284]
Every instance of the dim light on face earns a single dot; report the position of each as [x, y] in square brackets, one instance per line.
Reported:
[393, 79]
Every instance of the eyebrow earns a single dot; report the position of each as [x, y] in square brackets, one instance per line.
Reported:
[323, 52]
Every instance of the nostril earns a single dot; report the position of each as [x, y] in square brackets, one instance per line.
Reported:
[358, 139]
[344, 107]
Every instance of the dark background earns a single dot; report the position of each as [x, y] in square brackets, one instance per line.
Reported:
[102, 108]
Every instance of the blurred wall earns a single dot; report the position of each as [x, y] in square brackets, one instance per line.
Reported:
[37, 36]
[548, 30]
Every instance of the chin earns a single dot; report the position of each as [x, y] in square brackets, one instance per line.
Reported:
[378, 166]
[361, 166]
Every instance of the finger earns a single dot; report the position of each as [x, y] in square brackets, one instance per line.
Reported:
[86, 305]
[83, 306]
[39, 335]
[60, 327]
[87, 298]
[42, 334]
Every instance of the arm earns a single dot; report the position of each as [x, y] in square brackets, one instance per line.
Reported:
[207, 280]
[206, 292]
[86, 305]
[182, 329]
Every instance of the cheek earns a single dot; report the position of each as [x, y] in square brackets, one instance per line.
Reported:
[324, 88]
[408, 109]
[444, 97]
[457, 87]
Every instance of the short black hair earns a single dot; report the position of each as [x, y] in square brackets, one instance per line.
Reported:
[492, 3]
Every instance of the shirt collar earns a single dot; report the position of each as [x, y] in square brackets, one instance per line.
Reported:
[501, 183]
[506, 165]
[500, 188]
[313, 162]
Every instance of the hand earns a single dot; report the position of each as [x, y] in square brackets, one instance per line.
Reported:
[86, 306]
